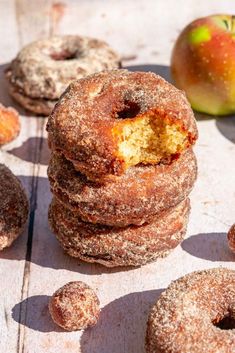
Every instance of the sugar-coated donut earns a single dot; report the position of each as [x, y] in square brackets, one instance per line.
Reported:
[14, 207]
[75, 306]
[112, 246]
[112, 120]
[133, 198]
[195, 314]
[43, 69]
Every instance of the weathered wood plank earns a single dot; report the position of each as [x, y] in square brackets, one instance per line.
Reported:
[144, 34]
[33, 20]
[127, 295]
[12, 260]
[21, 156]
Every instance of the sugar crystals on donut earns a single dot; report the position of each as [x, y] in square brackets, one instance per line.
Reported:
[119, 246]
[113, 120]
[135, 197]
[195, 314]
[14, 207]
[43, 69]
[75, 306]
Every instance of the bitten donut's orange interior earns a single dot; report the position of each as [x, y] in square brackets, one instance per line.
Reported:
[148, 139]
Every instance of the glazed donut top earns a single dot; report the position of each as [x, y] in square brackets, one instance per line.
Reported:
[44, 68]
[195, 314]
[97, 116]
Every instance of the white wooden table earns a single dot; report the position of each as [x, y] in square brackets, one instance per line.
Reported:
[35, 266]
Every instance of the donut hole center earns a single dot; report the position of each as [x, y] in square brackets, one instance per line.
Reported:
[64, 55]
[149, 139]
[226, 323]
[130, 110]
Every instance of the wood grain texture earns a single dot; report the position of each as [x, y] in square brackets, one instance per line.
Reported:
[143, 32]
[33, 22]
[22, 156]
[12, 261]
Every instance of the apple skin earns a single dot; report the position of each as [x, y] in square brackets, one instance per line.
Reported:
[203, 64]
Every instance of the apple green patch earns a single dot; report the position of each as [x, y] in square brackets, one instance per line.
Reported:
[199, 35]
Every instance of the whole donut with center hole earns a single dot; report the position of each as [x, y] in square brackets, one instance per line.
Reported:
[195, 314]
[112, 120]
[43, 69]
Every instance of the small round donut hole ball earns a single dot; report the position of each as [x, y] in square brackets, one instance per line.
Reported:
[231, 238]
[75, 306]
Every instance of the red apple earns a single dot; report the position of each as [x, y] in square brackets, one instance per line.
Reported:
[203, 64]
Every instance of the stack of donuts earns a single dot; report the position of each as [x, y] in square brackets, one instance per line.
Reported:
[121, 167]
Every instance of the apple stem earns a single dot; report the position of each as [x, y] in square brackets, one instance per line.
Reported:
[226, 24]
[233, 24]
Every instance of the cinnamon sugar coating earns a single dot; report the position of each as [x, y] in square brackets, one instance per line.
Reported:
[195, 314]
[85, 123]
[133, 198]
[9, 124]
[112, 246]
[14, 207]
[75, 306]
[43, 69]
[231, 238]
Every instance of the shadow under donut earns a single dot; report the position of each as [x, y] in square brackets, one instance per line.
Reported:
[33, 312]
[22, 151]
[203, 116]
[122, 325]
[209, 246]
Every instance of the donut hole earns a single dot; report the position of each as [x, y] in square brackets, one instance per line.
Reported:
[64, 55]
[226, 323]
[148, 139]
[131, 110]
